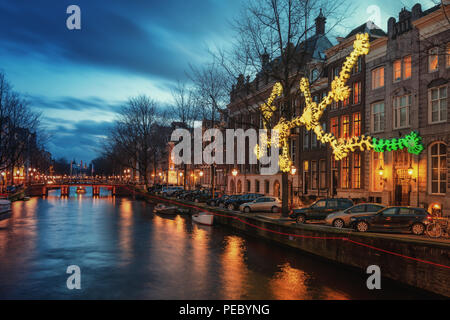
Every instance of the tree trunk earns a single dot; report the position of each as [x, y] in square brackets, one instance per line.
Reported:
[285, 194]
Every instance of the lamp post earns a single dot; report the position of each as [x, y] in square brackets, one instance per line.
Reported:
[293, 171]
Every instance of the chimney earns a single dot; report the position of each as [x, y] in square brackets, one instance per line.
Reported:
[320, 23]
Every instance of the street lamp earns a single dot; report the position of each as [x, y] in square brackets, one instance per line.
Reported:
[201, 173]
[234, 172]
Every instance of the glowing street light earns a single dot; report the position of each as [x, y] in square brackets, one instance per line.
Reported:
[234, 172]
[293, 170]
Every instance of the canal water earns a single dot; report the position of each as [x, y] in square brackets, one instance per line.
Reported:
[126, 252]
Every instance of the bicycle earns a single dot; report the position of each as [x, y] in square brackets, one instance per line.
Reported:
[438, 227]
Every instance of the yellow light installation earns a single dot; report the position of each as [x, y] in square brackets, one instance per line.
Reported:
[313, 112]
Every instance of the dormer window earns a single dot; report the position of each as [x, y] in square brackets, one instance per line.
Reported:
[314, 74]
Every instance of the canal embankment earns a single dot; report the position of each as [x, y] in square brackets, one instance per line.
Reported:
[416, 262]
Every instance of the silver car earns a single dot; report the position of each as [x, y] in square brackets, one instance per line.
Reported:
[341, 219]
[272, 204]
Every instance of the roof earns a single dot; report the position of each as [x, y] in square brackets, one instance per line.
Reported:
[369, 27]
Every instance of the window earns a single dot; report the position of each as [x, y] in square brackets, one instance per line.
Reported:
[314, 75]
[406, 67]
[356, 172]
[266, 186]
[447, 56]
[293, 149]
[345, 173]
[356, 124]
[314, 174]
[323, 173]
[305, 139]
[373, 208]
[335, 127]
[320, 204]
[378, 117]
[357, 66]
[390, 211]
[397, 70]
[401, 111]
[313, 140]
[345, 132]
[438, 168]
[356, 92]
[402, 69]
[438, 104]
[433, 60]
[378, 78]
[256, 185]
[249, 185]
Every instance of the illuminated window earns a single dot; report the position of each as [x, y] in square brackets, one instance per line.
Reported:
[433, 60]
[345, 173]
[323, 173]
[377, 117]
[345, 133]
[378, 78]
[397, 66]
[357, 66]
[407, 67]
[401, 111]
[438, 168]
[356, 92]
[356, 171]
[335, 127]
[438, 104]
[314, 174]
[356, 124]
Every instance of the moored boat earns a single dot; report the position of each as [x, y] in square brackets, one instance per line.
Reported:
[163, 209]
[203, 218]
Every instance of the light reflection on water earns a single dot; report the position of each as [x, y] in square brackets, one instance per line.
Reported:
[126, 252]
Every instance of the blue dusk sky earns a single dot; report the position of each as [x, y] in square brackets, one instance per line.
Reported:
[79, 79]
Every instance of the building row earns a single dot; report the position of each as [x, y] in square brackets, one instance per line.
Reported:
[401, 86]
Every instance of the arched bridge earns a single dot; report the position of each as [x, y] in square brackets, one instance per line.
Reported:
[117, 188]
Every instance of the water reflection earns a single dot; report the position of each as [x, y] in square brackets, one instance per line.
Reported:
[125, 251]
[235, 271]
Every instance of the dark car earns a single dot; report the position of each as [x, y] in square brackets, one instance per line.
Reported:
[205, 196]
[221, 201]
[394, 219]
[320, 209]
[235, 202]
[215, 201]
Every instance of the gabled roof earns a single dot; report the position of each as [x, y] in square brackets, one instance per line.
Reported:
[369, 27]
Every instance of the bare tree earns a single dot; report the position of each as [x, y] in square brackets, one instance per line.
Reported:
[275, 42]
[18, 126]
[211, 92]
[135, 140]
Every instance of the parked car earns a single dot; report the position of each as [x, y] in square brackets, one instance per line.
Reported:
[394, 219]
[169, 191]
[320, 209]
[234, 203]
[341, 219]
[204, 196]
[215, 201]
[262, 204]
[221, 201]
[191, 195]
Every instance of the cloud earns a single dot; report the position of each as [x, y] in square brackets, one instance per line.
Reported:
[156, 38]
